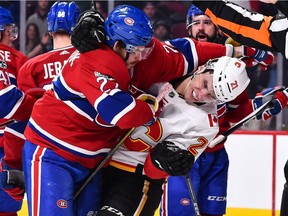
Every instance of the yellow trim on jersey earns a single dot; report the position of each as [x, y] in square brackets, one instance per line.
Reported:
[143, 199]
[122, 166]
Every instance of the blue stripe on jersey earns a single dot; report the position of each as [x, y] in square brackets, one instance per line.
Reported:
[10, 99]
[67, 146]
[18, 126]
[186, 46]
[81, 104]
[113, 107]
[62, 92]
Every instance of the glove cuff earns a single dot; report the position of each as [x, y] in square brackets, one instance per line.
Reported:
[152, 171]
[3, 179]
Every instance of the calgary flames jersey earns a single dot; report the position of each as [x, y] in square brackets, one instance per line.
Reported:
[189, 126]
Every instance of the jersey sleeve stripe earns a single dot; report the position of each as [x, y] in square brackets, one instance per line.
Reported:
[10, 99]
[15, 133]
[65, 145]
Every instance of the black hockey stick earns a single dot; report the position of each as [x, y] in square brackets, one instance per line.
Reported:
[6, 123]
[192, 195]
[161, 95]
[245, 120]
[105, 160]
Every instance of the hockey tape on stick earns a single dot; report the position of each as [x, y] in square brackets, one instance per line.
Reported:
[4, 124]
[160, 96]
[239, 124]
[192, 195]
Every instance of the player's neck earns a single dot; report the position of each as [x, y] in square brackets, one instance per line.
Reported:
[61, 41]
[181, 87]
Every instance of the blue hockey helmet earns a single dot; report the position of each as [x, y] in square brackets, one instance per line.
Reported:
[6, 18]
[130, 25]
[193, 11]
[63, 16]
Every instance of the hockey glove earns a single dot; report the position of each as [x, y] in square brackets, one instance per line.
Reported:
[261, 57]
[89, 31]
[153, 103]
[278, 103]
[12, 181]
[172, 159]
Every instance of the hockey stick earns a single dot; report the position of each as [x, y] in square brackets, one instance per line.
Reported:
[161, 95]
[6, 123]
[239, 124]
[192, 195]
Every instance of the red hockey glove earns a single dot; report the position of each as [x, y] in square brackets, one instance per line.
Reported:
[172, 159]
[35, 92]
[12, 181]
[153, 103]
[261, 57]
[278, 103]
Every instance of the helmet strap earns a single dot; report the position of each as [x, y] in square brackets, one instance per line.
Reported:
[126, 57]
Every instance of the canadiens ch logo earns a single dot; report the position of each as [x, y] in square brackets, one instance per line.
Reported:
[185, 202]
[129, 21]
[62, 203]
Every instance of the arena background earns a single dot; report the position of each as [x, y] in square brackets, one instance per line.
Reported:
[257, 158]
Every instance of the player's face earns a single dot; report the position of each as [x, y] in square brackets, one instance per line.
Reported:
[139, 53]
[202, 28]
[200, 88]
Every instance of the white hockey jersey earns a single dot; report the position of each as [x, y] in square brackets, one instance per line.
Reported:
[189, 126]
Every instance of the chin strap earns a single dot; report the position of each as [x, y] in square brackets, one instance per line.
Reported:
[126, 57]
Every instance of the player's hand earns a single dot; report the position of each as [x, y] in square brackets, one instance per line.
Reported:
[151, 100]
[261, 57]
[35, 92]
[89, 31]
[12, 181]
[153, 103]
[172, 159]
[278, 103]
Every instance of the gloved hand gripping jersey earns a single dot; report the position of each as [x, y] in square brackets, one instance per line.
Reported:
[89, 31]
[253, 56]
[153, 103]
[172, 159]
[279, 101]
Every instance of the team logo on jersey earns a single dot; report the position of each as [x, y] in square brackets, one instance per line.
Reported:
[185, 202]
[129, 21]
[213, 120]
[62, 203]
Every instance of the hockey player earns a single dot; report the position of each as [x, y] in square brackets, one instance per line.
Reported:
[165, 61]
[14, 104]
[42, 69]
[134, 179]
[211, 169]
[75, 124]
[255, 30]
[170, 59]
[36, 75]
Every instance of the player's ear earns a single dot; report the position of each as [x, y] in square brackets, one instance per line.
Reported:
[119, 48]
[116, 47]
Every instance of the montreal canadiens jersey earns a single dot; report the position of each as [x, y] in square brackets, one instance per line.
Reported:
[189, 126]
[175, 58]
[11, 99]
[88, 109]
[38, 72]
